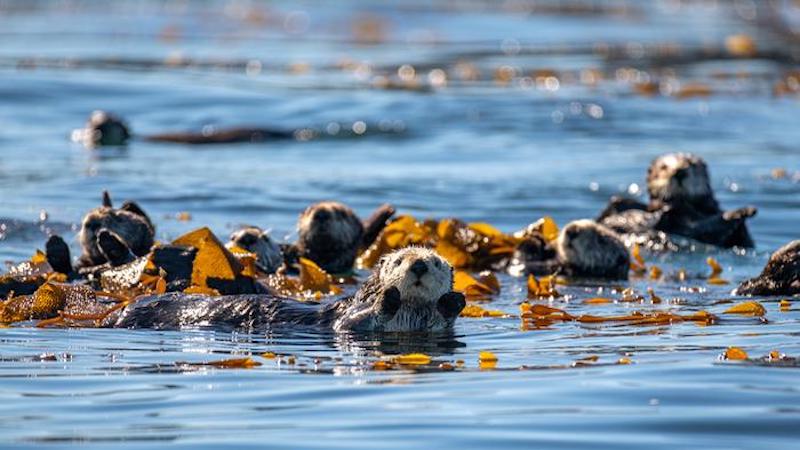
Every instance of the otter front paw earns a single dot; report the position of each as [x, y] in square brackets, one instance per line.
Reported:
[391, 301]
[113, 248]
[451, 304]
[740, 214]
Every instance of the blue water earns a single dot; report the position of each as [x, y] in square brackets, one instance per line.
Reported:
[475, 149]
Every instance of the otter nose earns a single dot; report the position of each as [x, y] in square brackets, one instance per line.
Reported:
[322, 216]
[419, 268]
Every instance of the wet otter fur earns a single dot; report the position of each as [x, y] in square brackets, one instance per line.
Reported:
[583, 249]
[330, 234]
[781, 275]
[103, 129]
[681, 203]
[587, 249]
[409, 291]
[105, 227]
[257, 241]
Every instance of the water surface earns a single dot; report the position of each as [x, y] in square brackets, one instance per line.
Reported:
[482, 147]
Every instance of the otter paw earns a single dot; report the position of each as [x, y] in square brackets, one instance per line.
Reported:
[58, 256]
[391, 302]
[114, 249]
[451, 304]
[739, 214]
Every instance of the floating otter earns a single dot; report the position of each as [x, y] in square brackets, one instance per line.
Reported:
[681, 203]
[781, 275]
[257, 241]
[104, 228]
[103, 129]
[330, 234]
[107, 129]
[583, 249]
[587, 249]
[410, 290]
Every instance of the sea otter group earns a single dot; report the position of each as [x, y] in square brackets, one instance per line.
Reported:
[410, 289]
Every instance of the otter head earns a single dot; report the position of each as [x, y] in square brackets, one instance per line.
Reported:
[680, 178]
[330, 235]
[255, 240]
[104, 128]
[410, 290]
[781, 275]
[128, 224]
[587, 249]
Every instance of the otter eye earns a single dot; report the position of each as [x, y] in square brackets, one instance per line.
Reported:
[398, 261]
[437, 263]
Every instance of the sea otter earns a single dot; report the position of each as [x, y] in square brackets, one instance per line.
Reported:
[583, 249]
[331, 235]
[781, 275]
[258, 242]
[103, 129]
[103, 230]
[681, 203]
[410, 290]
[107, 129]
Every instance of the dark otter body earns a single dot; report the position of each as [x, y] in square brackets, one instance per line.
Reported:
[584, 249]
[654, 224]
[223, 136]
[681, 203]
[331, 234]
[410, 291]
[781, 275]
[254, 312]
[107, 129]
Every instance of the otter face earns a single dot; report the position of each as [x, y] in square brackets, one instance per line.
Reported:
[588, 249]
[104, 128]
[133, 230]
[410, 290]
[420, 274]
[677, 177]
[257, 241]
[330, 235]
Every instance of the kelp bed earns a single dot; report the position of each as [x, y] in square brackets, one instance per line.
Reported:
[472, 248]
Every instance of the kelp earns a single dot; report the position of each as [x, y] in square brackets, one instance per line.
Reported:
[473, 246]
[539, 316]
[482, 288]
[63, 305]
[543, 287]
[475, 311]
[716, 270]
[313, 282]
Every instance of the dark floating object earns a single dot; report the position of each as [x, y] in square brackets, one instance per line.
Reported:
[781, 275]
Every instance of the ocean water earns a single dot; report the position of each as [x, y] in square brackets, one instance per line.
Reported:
[499, 112]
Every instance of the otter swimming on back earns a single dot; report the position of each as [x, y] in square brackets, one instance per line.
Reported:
[682, 203]
[410, 290]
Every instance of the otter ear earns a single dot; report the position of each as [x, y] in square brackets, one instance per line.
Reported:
[390, 303]
[107, 200]
[451, 304]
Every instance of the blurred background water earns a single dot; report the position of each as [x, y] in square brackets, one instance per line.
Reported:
[488, 111]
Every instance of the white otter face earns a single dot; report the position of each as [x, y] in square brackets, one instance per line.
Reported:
[410, 291]
[588, 249]
[677, 176]
[257, 241]
[420, 274]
